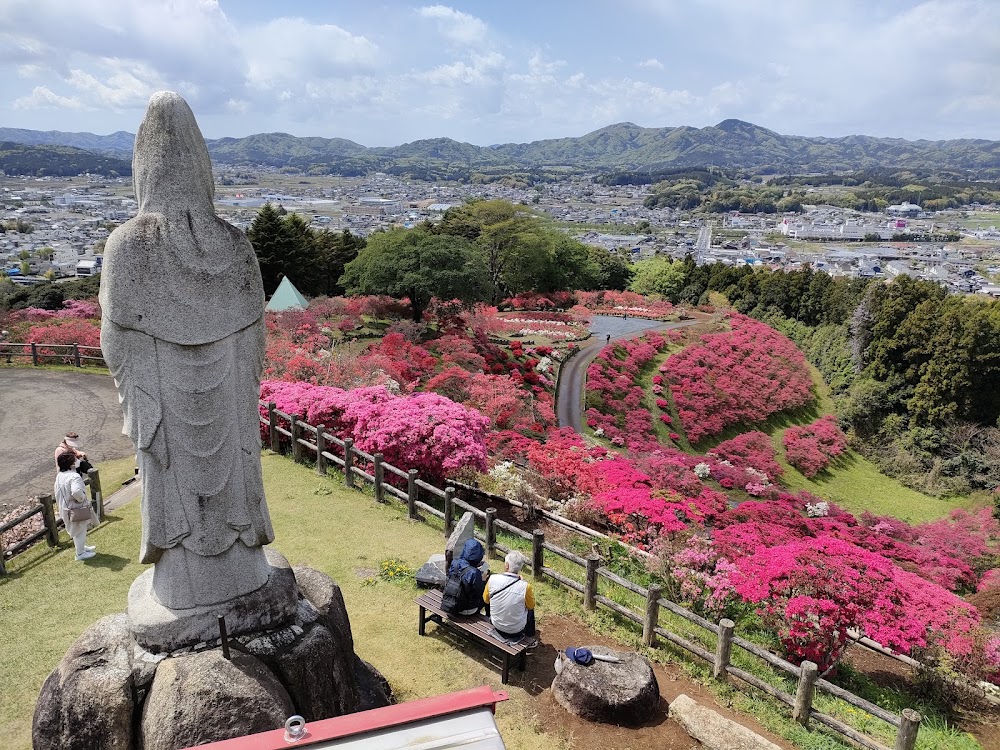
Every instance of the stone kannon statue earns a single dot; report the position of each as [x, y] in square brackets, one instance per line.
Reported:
[183, 335]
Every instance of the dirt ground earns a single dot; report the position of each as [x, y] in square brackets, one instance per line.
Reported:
[556, 633]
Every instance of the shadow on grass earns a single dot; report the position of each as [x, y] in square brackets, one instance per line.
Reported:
[791, 418]
[111, 562]
[539, 662]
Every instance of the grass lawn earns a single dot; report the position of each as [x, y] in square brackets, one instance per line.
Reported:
[49, 599]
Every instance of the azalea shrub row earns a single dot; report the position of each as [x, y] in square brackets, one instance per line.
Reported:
[811, 448]
[813, 578]
[615, 393]
[609, 302]
[739, 376]
[422, 431]
[78, 322]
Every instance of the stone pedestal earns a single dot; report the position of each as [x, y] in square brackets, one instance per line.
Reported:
[111, 693]
[617, 693]
[158, 628]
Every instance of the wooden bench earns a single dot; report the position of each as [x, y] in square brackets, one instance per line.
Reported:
[476, 628]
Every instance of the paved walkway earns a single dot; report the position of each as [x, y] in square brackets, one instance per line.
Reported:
[573, 374]
[38, 407]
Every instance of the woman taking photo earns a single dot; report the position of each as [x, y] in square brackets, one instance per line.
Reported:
[74, 508]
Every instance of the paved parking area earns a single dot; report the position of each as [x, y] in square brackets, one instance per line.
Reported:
[38, 407]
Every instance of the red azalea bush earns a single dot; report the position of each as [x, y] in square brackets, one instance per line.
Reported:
[749, 450]
[811, 448]
[422, 431]
[615, 395]
[610, 302]
[738, 376]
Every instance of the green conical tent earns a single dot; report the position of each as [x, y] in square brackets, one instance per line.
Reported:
[286, 297]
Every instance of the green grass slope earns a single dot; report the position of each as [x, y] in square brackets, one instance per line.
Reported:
[49, 599]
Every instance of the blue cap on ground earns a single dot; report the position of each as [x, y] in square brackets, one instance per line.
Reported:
[580, 655]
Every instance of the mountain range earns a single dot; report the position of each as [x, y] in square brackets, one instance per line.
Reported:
[624, 146]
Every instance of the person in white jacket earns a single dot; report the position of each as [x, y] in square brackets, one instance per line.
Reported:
[70, 492]
[511, 600]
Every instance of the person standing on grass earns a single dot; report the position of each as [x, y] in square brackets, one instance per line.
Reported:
[511, 600]
[70, 493]
[71, 444]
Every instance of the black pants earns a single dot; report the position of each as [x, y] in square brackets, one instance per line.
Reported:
[529, 628]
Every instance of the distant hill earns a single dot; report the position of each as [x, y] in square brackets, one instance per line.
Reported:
[625, 146]
[118, 144]
[59, 161]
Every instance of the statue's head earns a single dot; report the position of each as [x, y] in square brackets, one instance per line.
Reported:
[171, 168]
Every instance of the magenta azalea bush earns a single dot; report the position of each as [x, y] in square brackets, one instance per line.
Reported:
[743, 375]
[811, 448]
[422, 431]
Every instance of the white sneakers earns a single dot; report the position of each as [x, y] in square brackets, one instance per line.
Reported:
[89, 548]
[88, 552]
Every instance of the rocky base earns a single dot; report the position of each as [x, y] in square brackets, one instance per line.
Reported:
[617, 693]
[109, 692]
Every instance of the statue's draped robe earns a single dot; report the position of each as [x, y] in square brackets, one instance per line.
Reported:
[183, 335]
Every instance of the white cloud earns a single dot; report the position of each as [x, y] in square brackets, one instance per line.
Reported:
[455, 25]
[43, 98]
[652, 63]
[292, 51]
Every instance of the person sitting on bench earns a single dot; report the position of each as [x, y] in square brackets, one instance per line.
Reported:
[466, 568]
[511, 600]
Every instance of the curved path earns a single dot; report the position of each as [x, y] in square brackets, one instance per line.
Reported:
[573, 373]
[39, 407]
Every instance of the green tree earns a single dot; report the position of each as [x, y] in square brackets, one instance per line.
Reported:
[415, 264]
[334, 250]
[613, 269]
[271, 245]
[659, 275]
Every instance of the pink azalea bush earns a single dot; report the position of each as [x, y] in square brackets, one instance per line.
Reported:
[422, 431]
[749, 450]
[743, 375]
[811, 448]
[615, 395]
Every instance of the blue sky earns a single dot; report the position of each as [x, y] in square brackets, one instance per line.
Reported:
[385, 72]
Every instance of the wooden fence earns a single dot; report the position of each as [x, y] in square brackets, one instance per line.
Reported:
[51, 521]
[327, 450]
[39, 353]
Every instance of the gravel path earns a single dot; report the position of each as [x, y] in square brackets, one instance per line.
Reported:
[38, 407]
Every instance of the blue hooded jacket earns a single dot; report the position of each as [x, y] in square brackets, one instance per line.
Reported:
[473, 584]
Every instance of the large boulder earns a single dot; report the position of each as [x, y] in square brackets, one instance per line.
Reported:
[713, 730]
[373, 689]
[201, 697]
[325, 595]
[621, 692]
[87, 701]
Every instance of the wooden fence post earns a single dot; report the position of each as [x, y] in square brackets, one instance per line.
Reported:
[96, 493]
[76, 354]
[537, 553]
[272, 428]
[723, 649]
[808, 674]
[906, 738]
[49, 516]
[491, 532]
[3, 567]
[320, 447]
[296, 434]
[449, 499]
[34, 354]
[411, 494]
[652, 615]
[349, 462]
[378, 471]
[590, 586]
